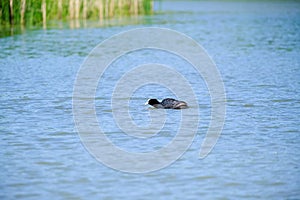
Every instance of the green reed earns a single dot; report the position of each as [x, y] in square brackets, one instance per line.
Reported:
[39, 12]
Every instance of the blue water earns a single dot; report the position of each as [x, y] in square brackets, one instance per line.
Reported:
[256, 47]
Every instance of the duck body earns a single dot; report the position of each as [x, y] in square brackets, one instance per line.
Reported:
[167, 103]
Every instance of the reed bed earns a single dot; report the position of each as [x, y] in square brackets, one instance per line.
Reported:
[40, 12]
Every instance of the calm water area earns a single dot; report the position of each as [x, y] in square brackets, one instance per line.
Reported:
[255, 46]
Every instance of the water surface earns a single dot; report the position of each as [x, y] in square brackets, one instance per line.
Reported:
[256, 48]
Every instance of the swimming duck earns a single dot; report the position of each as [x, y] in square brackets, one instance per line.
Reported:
[167, 103]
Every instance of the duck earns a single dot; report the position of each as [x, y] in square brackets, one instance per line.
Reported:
[167, 103]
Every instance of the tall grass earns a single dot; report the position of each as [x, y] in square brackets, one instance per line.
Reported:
[39, 12]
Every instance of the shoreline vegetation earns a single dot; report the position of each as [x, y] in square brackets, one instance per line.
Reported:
[38, 13]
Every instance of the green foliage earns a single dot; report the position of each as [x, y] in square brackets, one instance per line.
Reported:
[33, 13]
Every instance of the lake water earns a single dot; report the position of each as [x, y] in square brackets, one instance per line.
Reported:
[256, 47]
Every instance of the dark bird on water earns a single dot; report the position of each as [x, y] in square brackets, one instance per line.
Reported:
[167, 103]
